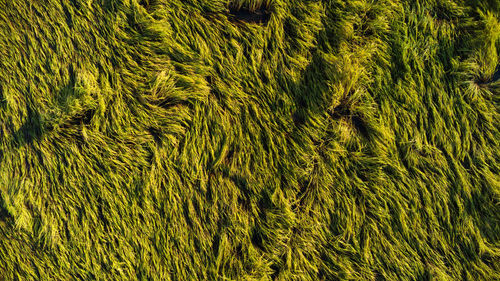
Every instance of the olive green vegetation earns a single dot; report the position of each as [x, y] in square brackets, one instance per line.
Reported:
[168, 140]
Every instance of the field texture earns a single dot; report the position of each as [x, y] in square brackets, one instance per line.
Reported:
[249, 140]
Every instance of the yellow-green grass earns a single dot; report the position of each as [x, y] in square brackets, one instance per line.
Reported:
[163, 140]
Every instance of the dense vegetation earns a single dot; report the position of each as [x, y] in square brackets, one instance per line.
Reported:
[249, 140]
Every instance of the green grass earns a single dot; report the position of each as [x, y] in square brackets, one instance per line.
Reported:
[160, 140]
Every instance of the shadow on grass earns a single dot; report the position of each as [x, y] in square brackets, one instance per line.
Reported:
[4, 215]
[35, 126]
[31, 130]
[496, 75]
[308, 92]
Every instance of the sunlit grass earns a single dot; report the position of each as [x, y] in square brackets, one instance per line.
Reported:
[164, 140]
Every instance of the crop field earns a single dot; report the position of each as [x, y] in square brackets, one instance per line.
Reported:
[250, 140]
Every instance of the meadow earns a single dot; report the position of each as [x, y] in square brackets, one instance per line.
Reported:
[249, 140]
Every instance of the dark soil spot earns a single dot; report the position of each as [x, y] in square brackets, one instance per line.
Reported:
[485, 80]
[258, 16]
[82, 118]
[145, 3]
[341, 110]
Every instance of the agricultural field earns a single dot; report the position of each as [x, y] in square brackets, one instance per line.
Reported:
[250, 140]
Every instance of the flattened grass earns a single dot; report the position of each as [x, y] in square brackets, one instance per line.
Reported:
[161, 140]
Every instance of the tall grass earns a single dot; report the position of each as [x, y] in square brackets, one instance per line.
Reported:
[159, 140]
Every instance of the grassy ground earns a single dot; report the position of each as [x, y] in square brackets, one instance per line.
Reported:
[179, 140]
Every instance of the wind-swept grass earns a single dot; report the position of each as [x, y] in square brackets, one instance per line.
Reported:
[179, 140]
